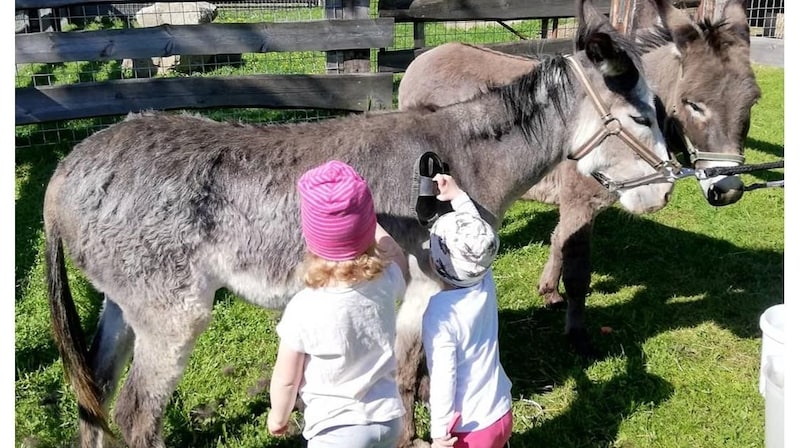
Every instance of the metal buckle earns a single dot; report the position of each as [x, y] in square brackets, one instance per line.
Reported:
[612, 130]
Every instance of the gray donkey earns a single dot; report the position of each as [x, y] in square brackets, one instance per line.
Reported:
[161, 210]
[706, 87]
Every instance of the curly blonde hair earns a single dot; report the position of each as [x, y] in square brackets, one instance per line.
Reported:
[320, 272]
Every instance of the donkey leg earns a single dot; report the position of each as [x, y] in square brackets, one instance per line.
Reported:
[577, 274]
[568, 245]
[110, 351]
[164, 339]
[409, 352]
[551, 274]
[408, 348]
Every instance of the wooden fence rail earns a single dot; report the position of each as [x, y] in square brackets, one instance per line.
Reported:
[203, 39]
[437, 10]
[346, 35]
[356, 92]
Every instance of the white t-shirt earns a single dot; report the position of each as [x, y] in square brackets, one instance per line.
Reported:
[459, 333]
[347, 334]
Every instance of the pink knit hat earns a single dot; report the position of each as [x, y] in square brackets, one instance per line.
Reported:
[336, 210]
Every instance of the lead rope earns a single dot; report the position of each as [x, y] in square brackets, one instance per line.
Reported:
[731, 170]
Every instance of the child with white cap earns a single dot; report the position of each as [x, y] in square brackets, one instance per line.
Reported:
[459, 330]
[337, 334]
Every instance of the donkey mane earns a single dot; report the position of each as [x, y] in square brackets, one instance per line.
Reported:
[721, 36]
[552, 85]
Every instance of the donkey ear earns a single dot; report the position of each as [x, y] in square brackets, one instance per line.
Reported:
[590, 21]
[612, 60]
[680, 25]
[588, 14]
[646, 15]
[671, 16]
[735, 18]
[597, 37]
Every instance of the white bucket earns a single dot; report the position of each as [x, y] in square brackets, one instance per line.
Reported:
[772, 339]
[773, 413]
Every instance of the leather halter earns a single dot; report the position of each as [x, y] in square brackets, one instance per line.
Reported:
[665, 169]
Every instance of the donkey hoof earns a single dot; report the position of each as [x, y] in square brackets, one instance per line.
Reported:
[581, 343]
[419, 443]
[554, 301]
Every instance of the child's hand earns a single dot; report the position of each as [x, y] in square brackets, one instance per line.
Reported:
[448, 188]
[276, 428]
[444, 442]
[389, 247]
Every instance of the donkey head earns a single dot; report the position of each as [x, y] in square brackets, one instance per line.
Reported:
[616, 136]
[708, 101]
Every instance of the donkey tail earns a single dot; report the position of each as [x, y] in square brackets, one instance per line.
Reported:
[68, 334]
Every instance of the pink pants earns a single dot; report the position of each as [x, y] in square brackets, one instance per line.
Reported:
[494, 436]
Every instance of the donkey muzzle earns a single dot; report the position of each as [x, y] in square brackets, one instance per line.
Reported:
[726, 191]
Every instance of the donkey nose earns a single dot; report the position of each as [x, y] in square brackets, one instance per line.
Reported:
[726, 191]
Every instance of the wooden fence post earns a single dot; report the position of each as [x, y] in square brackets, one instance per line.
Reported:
[621, 14]
[347, 61]
[710, 9]
[419, 35]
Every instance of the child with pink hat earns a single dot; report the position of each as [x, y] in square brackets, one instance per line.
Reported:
[459, 330]
[337, 335]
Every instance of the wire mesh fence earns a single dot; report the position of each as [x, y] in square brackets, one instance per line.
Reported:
[765, 18]
[132, 15]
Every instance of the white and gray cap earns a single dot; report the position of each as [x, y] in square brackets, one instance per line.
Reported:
[463, 247]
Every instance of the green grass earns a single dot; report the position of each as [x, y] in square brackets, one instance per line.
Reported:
[682, 289]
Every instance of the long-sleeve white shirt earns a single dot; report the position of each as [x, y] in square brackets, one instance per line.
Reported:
[459, 333]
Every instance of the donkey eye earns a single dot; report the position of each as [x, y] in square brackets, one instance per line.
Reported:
[644, 121]
[694, 106]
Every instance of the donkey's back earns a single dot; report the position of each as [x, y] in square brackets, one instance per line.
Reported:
[165, 202]
[442, 76]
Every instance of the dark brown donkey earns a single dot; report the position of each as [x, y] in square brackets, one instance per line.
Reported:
[705, 85]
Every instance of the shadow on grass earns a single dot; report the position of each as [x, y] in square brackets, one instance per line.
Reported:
[726, 284]
[771, 149]
[594, 416]
[764, 147]
[205, 427]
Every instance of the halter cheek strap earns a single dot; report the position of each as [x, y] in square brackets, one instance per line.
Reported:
[665, 169]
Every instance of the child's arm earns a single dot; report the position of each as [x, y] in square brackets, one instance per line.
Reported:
[440, 353]
[388, 246]
[449, 439]
[450, 191]
[285, 382]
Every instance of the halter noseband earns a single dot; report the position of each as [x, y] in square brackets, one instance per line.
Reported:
[666, 170]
